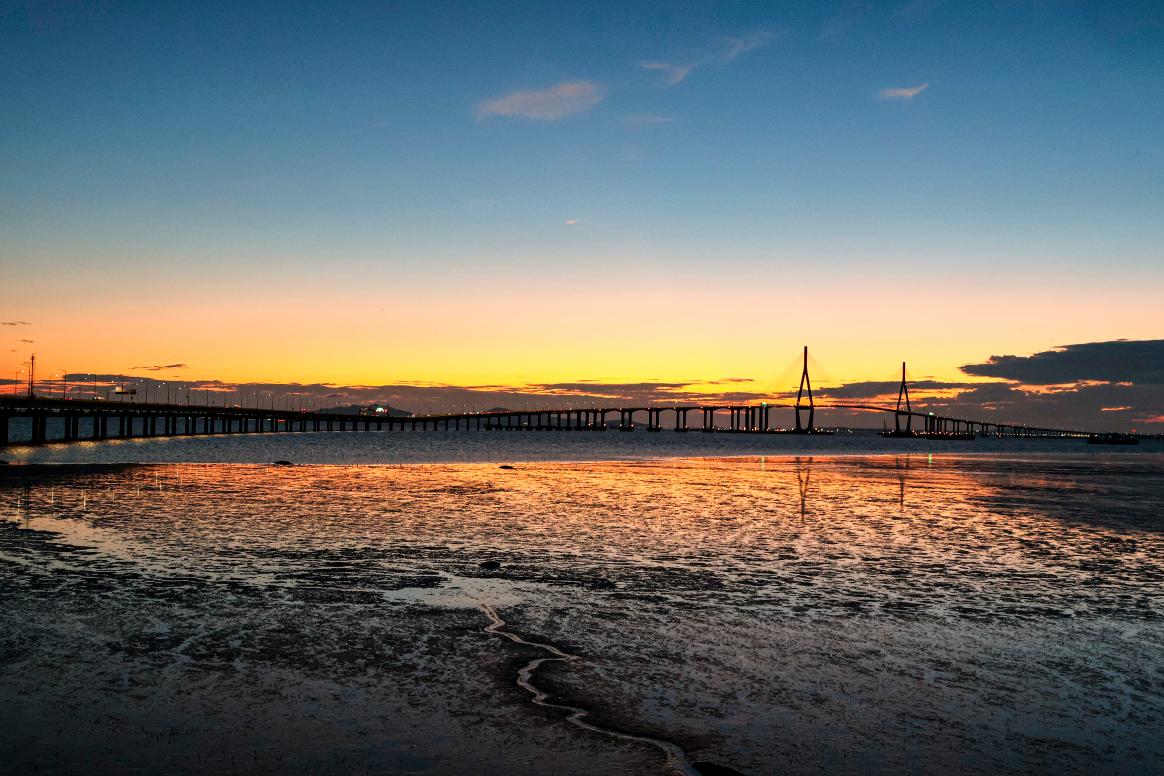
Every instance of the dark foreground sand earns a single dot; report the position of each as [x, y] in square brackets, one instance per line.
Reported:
[877, 615]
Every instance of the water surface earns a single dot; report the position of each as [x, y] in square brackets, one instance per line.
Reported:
[918, 613]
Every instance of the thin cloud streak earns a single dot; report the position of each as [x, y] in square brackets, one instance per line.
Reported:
[160, 367]
[728, 49]
[647, 120]
[673, 73]
[902, 92]
[552, 104]
[15, 323]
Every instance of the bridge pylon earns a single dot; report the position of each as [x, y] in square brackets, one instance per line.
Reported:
[903, 393]
[805, 384]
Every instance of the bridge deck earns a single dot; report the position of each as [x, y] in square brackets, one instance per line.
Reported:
[85, 420]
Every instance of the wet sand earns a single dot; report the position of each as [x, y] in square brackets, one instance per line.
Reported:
[768, 615]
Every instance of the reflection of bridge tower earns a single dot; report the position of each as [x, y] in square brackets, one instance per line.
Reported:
[903, 392]
[902, 467]
[803, 480]
[805, 383]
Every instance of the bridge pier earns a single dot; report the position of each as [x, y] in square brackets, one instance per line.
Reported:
[39, 429]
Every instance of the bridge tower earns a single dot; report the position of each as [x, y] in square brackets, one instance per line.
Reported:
[805, 383]
[903, 392]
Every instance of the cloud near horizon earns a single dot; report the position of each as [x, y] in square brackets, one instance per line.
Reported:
[557, 102]
[903, 92]
[727, 50]
[15, 323]
[1118, 361]
[160, 367]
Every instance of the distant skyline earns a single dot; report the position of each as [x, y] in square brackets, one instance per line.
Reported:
[444, 196]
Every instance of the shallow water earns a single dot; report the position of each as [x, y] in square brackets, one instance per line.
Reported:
[511, 446]
[925, 613]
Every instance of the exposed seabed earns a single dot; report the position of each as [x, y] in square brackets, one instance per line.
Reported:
[873, 614]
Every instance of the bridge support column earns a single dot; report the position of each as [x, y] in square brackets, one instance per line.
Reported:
[39, 424]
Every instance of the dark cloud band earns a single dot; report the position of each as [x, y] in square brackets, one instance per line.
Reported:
[1120, 361]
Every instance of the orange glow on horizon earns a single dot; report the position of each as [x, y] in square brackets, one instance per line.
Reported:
[501, 333]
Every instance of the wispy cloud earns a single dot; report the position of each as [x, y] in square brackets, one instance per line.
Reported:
[15, 323]
[647, 120]
[556, 102]
[672, 73]
[160, 367]
[26, 341]
[737, 46]
[902, 92]
[725, 50]
[572, 221]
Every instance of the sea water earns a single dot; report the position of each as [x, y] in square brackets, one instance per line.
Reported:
[844, 604]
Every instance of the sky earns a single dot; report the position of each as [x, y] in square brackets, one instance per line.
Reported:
[669, 197]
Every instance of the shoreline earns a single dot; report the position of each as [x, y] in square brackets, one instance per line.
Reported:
[10, 466]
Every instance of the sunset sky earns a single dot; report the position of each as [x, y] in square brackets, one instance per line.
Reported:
[515, 195]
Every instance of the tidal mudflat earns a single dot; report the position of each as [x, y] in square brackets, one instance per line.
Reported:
[768, 615]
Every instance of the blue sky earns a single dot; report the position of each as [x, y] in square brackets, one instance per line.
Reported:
[339, 123]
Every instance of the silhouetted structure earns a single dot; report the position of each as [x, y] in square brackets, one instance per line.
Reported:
[805, 382]
[72, 420]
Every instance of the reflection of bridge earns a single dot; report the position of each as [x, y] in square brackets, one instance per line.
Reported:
[72, 420]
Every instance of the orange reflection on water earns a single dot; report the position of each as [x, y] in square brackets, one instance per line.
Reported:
[907, 528]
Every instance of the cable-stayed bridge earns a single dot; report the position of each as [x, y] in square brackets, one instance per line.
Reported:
[51, 420]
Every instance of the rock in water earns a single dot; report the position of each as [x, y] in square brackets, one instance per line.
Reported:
[282, 463]
[504, 466]
[490, 565]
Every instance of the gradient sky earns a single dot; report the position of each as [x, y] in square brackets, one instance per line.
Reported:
[479, 193]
